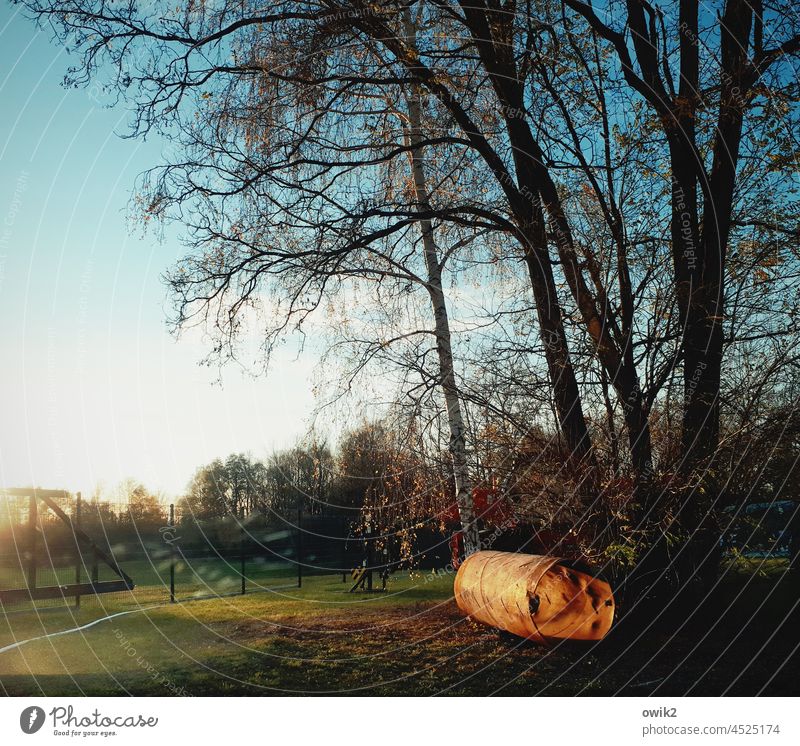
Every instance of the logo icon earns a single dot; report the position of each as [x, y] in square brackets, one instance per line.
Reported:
[31, 719]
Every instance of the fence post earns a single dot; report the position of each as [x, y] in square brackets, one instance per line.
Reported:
[241, 553]
[32, 533]
[78, 559]
[95, 566]
[172, 555]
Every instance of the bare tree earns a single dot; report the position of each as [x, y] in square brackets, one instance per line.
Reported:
[287, 175]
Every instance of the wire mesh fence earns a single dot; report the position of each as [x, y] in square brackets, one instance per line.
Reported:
[57, 549]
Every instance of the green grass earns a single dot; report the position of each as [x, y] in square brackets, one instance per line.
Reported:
[411, 640]
[197, 577]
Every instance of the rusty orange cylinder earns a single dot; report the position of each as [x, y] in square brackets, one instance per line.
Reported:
[545, 599]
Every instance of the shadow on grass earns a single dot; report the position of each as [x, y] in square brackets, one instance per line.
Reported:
[740, 640]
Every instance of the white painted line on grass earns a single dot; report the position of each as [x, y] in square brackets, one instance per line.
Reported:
[20, 643]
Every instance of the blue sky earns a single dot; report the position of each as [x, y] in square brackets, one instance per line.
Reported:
[92, 386]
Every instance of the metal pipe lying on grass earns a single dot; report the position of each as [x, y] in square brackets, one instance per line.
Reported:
[544, 599]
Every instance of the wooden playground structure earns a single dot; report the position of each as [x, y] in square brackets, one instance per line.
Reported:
[32, 551]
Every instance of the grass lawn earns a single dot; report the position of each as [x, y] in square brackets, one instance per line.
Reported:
[412, 640]
[193, 577]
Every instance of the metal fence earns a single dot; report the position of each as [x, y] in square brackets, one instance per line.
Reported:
[57, 549]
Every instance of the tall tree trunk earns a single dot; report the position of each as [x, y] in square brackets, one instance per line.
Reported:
[701, 284]
[563, 381]
[705, 311]
[447, 377]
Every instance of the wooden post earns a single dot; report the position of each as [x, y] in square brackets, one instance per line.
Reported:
[172, 555]
[32, 513]
[95, 561]
[78, 558]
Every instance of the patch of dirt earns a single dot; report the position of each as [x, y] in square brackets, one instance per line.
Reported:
[430, 648]
[410, 623]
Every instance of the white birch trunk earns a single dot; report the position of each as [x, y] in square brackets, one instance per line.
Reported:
[452, 398]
